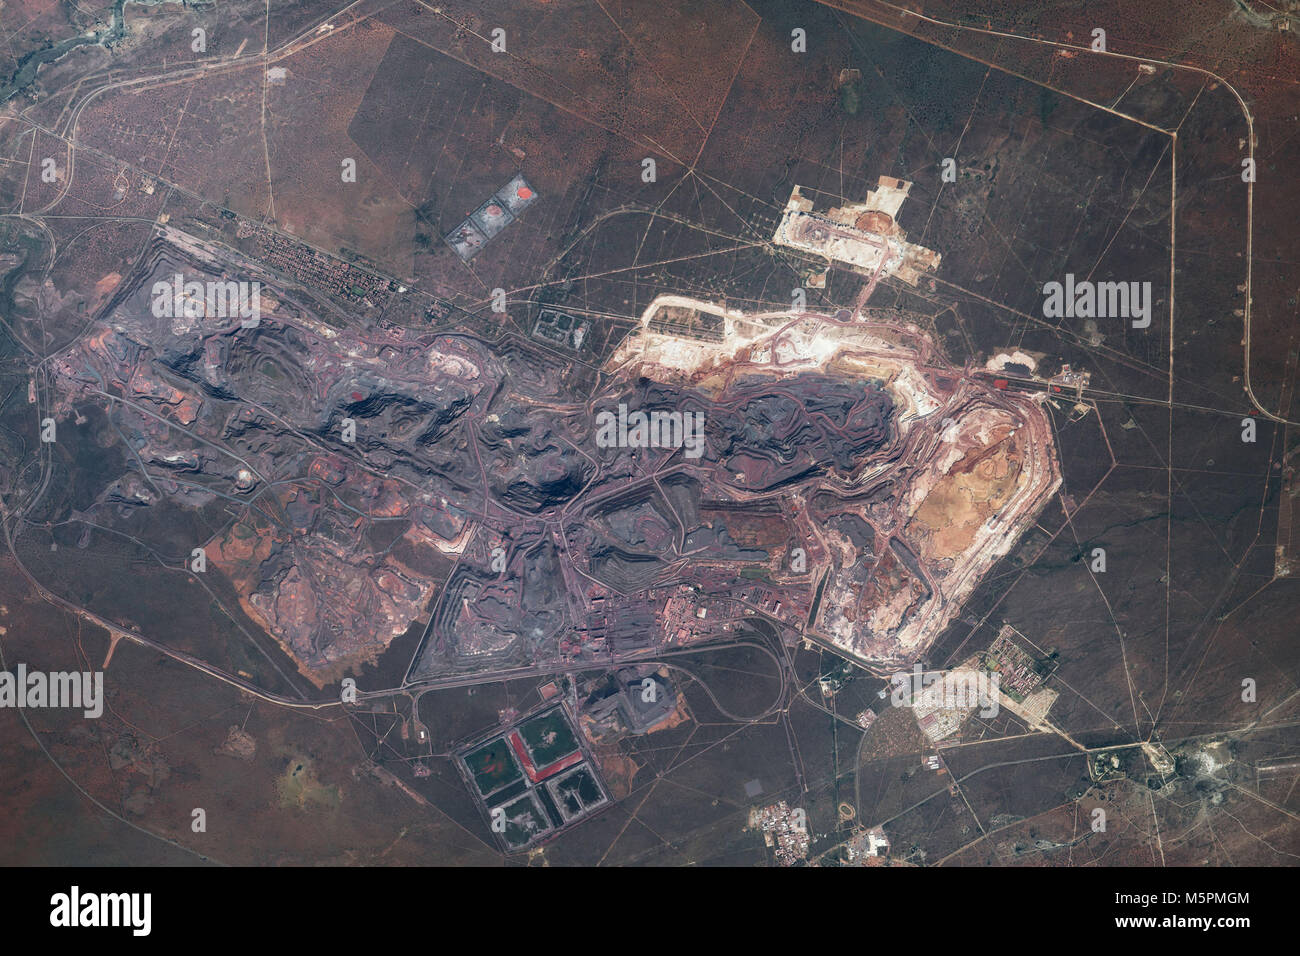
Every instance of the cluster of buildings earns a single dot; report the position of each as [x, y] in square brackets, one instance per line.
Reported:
[560, 328]
[940, 709]
[864, 237]
[866, 846]
[309, 266]
[1069, 378]
[785, 830]
[788, 606]
[682, 617]
[614, 626]
[671, 617]
[1019, 672]
[941, 723]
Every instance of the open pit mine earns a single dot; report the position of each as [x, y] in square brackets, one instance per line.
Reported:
[903, 480]
[845, 486]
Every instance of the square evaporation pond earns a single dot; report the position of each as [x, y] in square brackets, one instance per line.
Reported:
[516, 195]
[493, 766]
